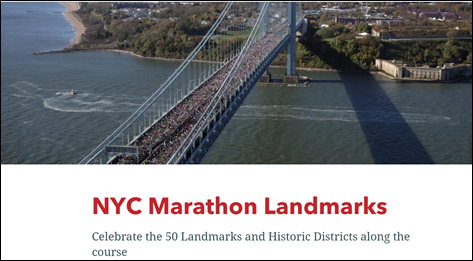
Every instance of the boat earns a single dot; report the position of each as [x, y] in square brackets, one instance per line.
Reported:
[73, 93]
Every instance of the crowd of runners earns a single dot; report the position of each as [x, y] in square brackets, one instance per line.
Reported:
[159, 143]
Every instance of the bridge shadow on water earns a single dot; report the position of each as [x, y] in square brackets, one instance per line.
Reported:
[389, 136]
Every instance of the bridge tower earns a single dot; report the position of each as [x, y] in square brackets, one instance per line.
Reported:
[291, 46]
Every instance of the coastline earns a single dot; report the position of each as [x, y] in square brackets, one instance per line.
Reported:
[181, 60]
[421, 80]
[68, 50]
[144, 57]
[322, 69]
[78, 26]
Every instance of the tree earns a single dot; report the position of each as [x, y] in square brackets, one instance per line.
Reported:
[368, 37]
[363, 28]
[458, 52]
[323, 49]
[427, 54]
[346, 37]
[323, 18]
[453, 33]
[182, 26]
[380, 50]
[447, 49]
[325, 33]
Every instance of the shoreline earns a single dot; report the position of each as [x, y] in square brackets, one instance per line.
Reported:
[323, 70]
[144, 57]
[181, 60]
[421, 80]
[78, 26]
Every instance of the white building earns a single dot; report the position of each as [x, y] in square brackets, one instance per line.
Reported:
[448, 72]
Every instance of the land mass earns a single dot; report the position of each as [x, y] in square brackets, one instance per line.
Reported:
[169, 31]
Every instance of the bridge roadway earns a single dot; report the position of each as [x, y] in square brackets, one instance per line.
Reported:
[195, 153]
[159, 143]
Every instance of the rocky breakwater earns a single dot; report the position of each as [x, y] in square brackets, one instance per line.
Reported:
[71, 51]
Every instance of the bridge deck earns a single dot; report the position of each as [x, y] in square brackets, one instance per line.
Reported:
[159, 143]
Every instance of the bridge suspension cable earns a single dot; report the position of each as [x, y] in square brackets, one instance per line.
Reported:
[203, 120]
[143, 108]
[177, 113]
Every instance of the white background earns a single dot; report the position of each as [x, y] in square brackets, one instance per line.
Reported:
[47, 211]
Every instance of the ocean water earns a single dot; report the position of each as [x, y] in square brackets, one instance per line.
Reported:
[340, 118]
[350, 118]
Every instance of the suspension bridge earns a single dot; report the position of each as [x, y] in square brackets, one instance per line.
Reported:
[182, 119]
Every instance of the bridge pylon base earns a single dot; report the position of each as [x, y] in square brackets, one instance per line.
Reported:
[288, 79]
[266, 78]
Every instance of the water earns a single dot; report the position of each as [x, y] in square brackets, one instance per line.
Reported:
[350, 118]
[41, 121]
[339, 118]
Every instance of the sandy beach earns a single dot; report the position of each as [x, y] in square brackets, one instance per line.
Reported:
[79, 27]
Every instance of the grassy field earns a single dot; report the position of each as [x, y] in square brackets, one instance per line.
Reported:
[329, 39]
[240, 34]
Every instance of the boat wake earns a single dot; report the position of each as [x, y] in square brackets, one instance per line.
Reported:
[63, 101]
[87, 102]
